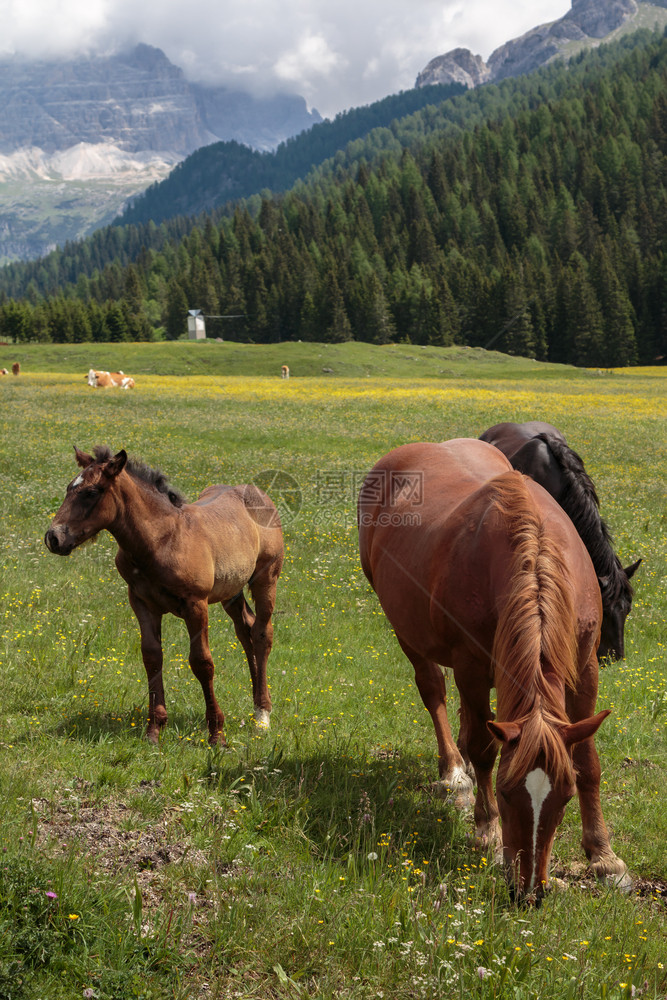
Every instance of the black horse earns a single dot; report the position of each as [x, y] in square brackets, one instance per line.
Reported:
[541, 452]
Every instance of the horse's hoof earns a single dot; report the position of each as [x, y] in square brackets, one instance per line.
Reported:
[153, 735]
[217, 739]
[490, 842]
[457, 790]
[262, 718]
[620, 881]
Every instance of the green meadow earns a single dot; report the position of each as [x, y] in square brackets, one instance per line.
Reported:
[309, 860]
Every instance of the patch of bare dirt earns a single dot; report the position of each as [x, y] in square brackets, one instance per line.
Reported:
[117, 842]
[579, 875]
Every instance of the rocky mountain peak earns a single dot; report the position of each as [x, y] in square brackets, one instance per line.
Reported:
[586, 23]
[457, 66]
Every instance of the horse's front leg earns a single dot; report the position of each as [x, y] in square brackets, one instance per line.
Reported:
[605, 864]
[150, 624]
[476, 743]
[201, 664]
[455, 783]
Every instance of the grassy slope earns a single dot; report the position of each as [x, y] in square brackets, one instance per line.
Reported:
[212, 357]
[40, 214]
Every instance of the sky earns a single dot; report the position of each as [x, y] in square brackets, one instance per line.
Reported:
[336, 54]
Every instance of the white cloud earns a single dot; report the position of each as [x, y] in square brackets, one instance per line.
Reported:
[311, 58]
[336, 53]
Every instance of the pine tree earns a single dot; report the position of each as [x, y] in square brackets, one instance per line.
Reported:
[619, 340]
[175, 318]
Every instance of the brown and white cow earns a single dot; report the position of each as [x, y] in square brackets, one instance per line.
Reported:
[284, 372]
[107, 380]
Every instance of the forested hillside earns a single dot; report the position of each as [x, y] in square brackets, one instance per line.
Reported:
[227, 170]
[529, 217]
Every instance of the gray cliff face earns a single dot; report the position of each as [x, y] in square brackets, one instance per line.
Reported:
[600, 17]
[587, 22]
[262, 124]
[138, 101]
[80, 137]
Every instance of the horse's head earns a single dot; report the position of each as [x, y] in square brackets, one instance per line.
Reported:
[533, 787]
[89, 504]
[616, 603]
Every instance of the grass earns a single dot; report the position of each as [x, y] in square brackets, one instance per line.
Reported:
[309, 860]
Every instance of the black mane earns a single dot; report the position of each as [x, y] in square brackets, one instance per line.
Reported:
[139, 470]
[580, 501]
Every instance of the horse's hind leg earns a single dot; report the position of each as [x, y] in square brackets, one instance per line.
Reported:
[255, 633]
[244, 619]
[454, 783]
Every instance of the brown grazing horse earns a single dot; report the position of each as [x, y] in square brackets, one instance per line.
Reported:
[541, 451]
[478, 569]
[178, 558]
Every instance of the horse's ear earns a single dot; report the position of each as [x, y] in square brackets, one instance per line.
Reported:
[575, 732]
[504, 732]
[631, 570]
[116, 464]
[82, 458]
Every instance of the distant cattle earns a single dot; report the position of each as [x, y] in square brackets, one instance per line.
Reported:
[284, 372]
[4, 371]
[16, 368]
[107, 380]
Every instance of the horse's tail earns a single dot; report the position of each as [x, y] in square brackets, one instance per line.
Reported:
[537, 629]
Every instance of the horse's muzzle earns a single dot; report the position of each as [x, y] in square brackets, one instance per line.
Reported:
[54, 543]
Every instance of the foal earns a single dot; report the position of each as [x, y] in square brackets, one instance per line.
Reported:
[178, 558]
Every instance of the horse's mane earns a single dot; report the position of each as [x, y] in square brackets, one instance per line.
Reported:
[580, 501]
[536, 633]
[139, 470]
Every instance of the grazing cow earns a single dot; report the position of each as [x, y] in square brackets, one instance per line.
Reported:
[284, 372]
[106, 380]
[16, 368]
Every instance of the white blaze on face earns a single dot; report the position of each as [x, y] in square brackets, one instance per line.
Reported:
[78, 480]
[538, 787]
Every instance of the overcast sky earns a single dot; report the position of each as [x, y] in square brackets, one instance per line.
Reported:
[335, 53]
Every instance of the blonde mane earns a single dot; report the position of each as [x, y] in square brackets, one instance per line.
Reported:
[536, 635]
